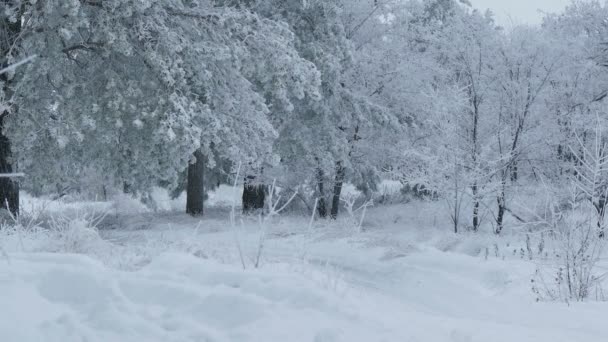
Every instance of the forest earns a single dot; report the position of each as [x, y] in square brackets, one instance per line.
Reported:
[301, 170]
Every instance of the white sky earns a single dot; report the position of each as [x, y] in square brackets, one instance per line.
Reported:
[513, 12]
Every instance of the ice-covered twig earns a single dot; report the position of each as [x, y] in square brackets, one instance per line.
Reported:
[15, 65]
[233, 216]
[272, 211]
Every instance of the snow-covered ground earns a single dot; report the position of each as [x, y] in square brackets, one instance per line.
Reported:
[164, 276]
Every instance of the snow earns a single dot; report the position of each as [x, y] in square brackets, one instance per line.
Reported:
[168, 277]
[76, 298]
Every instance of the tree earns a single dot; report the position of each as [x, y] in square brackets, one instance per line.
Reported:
[525, 69]
[464, 46]
[170, 80]
[10, 31]
[315, 139]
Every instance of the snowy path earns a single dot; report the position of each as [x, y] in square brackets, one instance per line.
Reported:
[361, 287]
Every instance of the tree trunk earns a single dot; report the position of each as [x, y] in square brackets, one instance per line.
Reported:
[9, 187]
[502, 200]
[321, 206]
[335, 203]
[195, 188]
[476, 223]
[501, 213]
[600, 207]
[127, 188]
[456, 212]
[475, 186]
[514, 172]
[254, 195]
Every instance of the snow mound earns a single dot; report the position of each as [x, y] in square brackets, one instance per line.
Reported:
[177, 297]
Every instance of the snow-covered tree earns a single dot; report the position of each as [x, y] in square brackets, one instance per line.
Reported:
[526, 66]
[457, 129]
[316, 140]
[139, 90]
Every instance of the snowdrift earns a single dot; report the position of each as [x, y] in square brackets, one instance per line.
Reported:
[63, 297]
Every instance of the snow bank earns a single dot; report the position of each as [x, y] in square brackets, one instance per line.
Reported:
[178, 297]
[405, 278]
[40, 206]
[429, 296]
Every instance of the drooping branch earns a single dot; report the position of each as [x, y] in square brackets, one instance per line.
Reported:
[88, 46]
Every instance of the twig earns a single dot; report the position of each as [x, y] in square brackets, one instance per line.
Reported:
[15, 65]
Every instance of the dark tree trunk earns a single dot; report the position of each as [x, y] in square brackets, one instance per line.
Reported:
[321, 206]
[501, 213]
[195, 190]
[127, 188]
[9, 187]
[335, 202]
[254, 195]
[501, 199]
[475, 208]
[514, 172]
[475, 188]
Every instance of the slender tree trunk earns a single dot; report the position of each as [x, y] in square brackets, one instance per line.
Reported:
[321, 206]
[254, 195]
[475, 186]
[476, 204]
[514, 172]
[456, 213]
[335, 202]
[502, 200]
[501, 212]
[195, 188]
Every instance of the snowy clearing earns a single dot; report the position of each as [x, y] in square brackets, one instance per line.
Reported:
[169, 277]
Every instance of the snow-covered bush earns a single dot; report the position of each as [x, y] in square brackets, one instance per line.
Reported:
[75, 234]
[127, 204]
[390, 192]
[578, 227]
[356, 215]
[572, 273]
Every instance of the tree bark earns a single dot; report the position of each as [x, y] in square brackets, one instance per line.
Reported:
[501, 213]
[514, 171]
[321, 206]
[195, 188]
[476, 222]
[475, 187]
[126, 188]
[254, 195]
[341, 175]
[501, 199]
[335, 202]
[9, 187]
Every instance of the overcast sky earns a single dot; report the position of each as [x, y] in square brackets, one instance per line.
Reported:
[509, 12]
